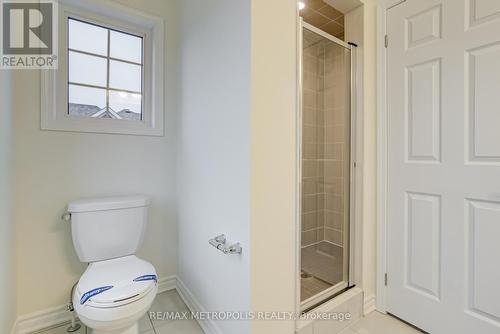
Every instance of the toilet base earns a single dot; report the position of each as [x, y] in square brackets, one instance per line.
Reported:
[134, 329]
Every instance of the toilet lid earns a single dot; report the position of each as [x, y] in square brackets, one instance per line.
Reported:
[116, 282]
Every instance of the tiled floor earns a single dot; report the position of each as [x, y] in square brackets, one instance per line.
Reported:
[374, 323]
[311, 286]
[169, 301]
[326, 267]
[378, 323]
[323, 270]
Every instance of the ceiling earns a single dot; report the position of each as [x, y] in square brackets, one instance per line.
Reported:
[323, 16]
[345, 6]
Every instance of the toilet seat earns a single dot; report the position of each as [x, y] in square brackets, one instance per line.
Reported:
[115, 282]
[133, 291]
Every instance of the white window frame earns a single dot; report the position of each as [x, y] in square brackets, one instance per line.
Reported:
[54, 83]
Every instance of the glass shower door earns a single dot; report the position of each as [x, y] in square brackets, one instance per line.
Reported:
[326, 161]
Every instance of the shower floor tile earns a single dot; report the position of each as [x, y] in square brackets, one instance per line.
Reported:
[311, 286]
[328, 268]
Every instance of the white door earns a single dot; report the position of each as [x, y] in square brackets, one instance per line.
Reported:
[444, 165]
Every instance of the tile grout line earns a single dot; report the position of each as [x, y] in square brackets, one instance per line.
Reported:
[152, 325]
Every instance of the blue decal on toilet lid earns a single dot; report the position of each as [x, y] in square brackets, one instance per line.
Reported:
[146, 278]
[87, 295]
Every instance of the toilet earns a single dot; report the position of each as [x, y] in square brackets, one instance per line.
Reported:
[117, 288]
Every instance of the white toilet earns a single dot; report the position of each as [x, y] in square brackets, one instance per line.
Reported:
[118, 288]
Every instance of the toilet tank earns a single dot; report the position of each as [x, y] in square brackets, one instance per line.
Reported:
[108, 228]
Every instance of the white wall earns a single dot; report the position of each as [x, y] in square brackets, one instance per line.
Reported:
[214, 154]
[361, 28]
[274, 160]
[53, 168]
[370, 147]
[7, 232]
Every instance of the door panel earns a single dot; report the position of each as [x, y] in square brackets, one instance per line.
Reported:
[483, 66]
[423, 111]
[444, 165]
[483, 229]
[422, 256]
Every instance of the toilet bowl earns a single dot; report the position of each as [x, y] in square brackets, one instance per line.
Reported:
[117, 288]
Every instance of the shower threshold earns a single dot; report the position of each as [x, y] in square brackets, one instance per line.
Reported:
[323, 295]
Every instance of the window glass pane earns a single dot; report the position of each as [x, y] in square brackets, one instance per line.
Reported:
[126, 105]
[125, 76]
[86, 101]
[85, 69]
[87, 37]
[126, 47]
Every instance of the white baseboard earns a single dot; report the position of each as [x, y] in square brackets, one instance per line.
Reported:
[369, 304]
[208, 326]
[167, 283]
[36, 321]
[14, 328]
[59, 315]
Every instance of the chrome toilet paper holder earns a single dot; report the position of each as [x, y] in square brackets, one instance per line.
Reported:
[219, 242]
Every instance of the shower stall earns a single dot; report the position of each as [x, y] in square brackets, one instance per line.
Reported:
[326, 85]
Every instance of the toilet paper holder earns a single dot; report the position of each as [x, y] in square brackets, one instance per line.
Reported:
[219, 242]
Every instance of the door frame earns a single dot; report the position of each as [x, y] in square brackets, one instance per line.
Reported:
[382, 149]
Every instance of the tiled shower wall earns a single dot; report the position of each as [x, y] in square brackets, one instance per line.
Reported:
[325, 133]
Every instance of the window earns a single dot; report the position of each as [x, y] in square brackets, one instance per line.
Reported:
[110, 75]
[104, 72]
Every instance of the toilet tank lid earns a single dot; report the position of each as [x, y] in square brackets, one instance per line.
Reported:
[109, 203]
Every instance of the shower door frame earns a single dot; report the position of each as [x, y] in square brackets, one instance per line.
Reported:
[348, 263]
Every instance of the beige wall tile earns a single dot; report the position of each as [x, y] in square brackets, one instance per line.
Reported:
[309, 204]
[309, 81]
[320, 100]
[309, 168]
[323, 133]
[309, 114]
[333, 169]
[340, 20]
[330, 12]
[309, 99]
[309, 134]
[309, 150]
[320, 115]
[308, 237]
[309, 186]
[311, 51]
[334, 151]
[312, 236]
[314, 4]
[310, 63]
[313, 202]
[334, 220]
[334, 203]
[333, 236]
[317, 19]
[321, 15]
[310, 221]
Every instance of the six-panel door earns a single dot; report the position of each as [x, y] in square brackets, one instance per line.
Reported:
[444, 165]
